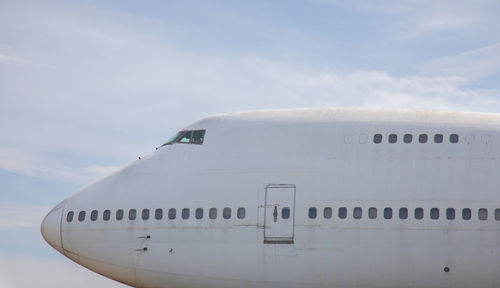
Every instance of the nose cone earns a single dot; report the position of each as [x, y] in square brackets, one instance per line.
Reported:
[51, 228]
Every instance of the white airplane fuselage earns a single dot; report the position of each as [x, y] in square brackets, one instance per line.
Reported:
[314, 201]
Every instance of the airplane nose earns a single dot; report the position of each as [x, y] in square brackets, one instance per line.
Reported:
[51, 228]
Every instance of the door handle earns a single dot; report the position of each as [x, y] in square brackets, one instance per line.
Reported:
[275, 213]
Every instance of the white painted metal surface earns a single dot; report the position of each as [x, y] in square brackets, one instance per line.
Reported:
[330, 157]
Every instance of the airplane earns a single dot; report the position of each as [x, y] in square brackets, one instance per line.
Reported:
[330, 197]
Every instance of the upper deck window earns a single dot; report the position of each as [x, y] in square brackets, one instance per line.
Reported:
[393, 138]
[453, 138]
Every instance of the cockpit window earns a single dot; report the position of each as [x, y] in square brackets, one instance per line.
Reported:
[198, 136]
[188, 137]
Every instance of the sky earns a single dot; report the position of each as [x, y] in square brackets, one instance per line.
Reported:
[88, 86]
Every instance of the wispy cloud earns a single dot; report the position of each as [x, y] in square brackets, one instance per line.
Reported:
[106, 86]
[49, 273]
[21, 216]
[32, 164]
[472, 65]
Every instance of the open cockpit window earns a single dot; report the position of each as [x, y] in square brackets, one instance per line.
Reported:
[188, 137]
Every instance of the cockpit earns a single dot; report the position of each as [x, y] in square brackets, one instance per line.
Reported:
[187, 137]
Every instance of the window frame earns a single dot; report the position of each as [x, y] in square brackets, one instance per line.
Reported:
[451, 214]
[312, 213]
[158, 213]
[342, 213]
[172, 214]
[287, 214]
[81, 216]
[69, 216]
[132, 214]
[392, 138]
[241, 213]
[420, 214]
[212, 213]
[372, 213]
[480, 217]
[198, 213]
[408, 138]
[328, 215]
[225, 214]
[145, 213]
[466, 214]
[403, 213]
[434, 216]
[357, 213]
[185, 213]
[388, 213]
[119, 214]
[423, 138]
[106, 215]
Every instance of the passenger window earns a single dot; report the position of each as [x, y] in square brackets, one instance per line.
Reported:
[466, 214]
[327, 212]
[81, 216]
[453, 138]
[198, 136]
[106, 215]
[198, 213]
[285, 213]
[145, 214]
[388, 213]
[241, 213]
[212, 213]
[93, 215]
[132, 213]
[497, 214]
[186, 137]
[483, 214]
[403, 213]
[342, 212]
[408, 138]
[158, 214]
[434, 213]
[172, 213]
[422, 138]
[419, 213]
[372, 213]
[393, 138]
[185, 213]
[357, 213]
[438, 138]
[119, 214]
[69, 217]
[312, 213]
[377, 138]
[226, 213]
[450, 214]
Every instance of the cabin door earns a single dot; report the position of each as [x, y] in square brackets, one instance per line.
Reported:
[279, 214]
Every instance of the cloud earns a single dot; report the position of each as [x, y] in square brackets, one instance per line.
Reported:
[21, 216]
[35, 164]
[473, 65]
[6, 58]
[49, 273]
[101, 87]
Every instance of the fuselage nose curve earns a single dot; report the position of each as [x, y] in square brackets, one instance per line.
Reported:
[51, 227]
